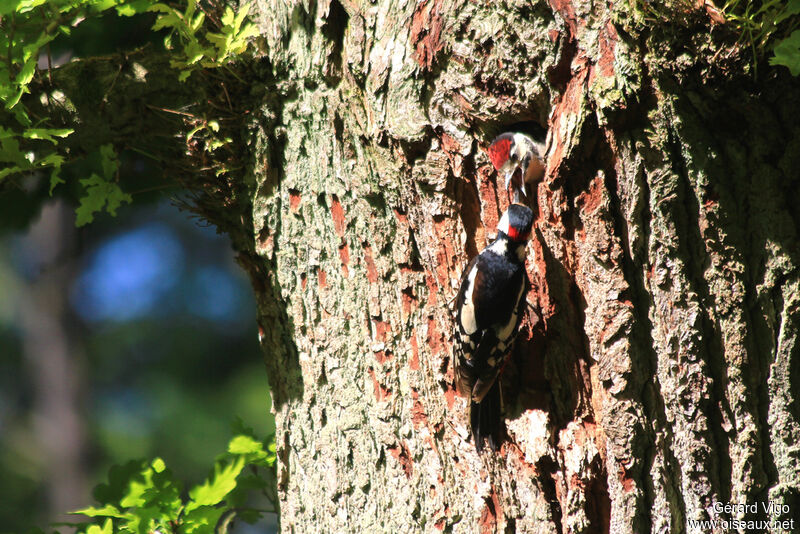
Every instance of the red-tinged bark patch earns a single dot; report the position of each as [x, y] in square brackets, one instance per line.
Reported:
[381, 329]
[450, 145]
[372, 272]
[607, 42]
[567, 11]
[628, 484]
[491, 512]
[576, 483]
[303, 280]
[570, 103]
[383, 356]
[337, 214]
[433, 290]
[589, 201]
[381, 392]
[426, 32]
[322, 278]
[445, 252]
[450, 396]
[490, 201]
[413, 363]
[401, 216]
[471, 219]
[400, 453]
[539, 293]
[409, 300]
[294, 200]
[344, 254]
[435, 338]
[445, 513]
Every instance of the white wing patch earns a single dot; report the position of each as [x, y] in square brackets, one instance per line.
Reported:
[468, 322]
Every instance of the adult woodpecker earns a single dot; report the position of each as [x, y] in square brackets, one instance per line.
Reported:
[519, 158]
[489, 307]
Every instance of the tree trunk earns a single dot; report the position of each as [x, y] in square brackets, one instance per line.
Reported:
[659, 377]
[54, 359]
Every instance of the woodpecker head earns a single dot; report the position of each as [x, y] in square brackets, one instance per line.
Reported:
[516, 223]
[515, 152]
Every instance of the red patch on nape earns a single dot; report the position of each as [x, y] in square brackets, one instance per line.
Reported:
[515, 235]
[498, 152]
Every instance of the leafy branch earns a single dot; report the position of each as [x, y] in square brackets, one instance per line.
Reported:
[198, 38]
[197, 49]
[770, 25]
[144, 496]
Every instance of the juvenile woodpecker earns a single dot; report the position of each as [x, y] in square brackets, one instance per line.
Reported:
[489, 307]
[518, 158]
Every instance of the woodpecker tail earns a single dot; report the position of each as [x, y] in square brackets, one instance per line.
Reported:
[485, 419]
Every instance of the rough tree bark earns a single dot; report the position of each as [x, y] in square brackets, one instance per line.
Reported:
[661, 375]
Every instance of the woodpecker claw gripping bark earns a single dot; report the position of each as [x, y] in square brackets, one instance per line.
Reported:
[489, 307]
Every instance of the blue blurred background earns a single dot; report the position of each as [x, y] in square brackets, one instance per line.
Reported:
[134, 337]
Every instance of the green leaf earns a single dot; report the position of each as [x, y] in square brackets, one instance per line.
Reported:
[228, 17]
[14, 99]
[108, 528]
[55, 178]
[47, 134]
[191, 7]
[240, 16]
[198, 21]
[108, 160]
[787, 53]
[128, 9]
[26, 74]
[218, 486]
[242, 444]
[158, 465]
[106, 511]
[194, 131]
[100, 193]
[201, 520]
[119, 476]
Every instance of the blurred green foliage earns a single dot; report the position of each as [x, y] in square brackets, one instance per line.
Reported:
[142, 497]
[165, 382]
[29, 139]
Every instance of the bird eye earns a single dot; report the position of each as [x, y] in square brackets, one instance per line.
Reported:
[514, 156]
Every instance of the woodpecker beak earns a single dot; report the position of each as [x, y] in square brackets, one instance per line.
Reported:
[510, 176]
